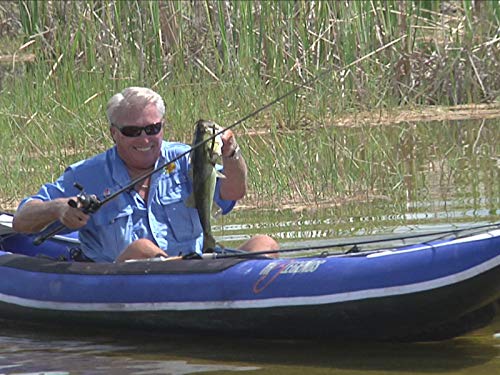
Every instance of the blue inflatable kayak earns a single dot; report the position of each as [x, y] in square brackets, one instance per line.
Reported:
[426, 291]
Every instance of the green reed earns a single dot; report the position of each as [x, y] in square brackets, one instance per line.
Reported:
[221, 60]
[398, 164]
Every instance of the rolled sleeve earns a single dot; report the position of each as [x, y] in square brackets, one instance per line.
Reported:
[225, 205]
[61, 188]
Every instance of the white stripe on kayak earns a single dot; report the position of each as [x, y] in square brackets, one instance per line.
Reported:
[5, 224]
[258, 303]
[6, 228]
[477, 237]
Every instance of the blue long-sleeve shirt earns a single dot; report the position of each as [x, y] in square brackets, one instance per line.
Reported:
[164, 218]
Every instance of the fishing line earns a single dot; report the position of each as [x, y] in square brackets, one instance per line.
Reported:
[95, 204]
[243, 119]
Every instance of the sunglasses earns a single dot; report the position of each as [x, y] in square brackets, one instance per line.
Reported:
[135, 131]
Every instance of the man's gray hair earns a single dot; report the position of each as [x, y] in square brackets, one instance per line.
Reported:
[133, 98]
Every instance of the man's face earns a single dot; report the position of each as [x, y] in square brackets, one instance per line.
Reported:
[142, 151]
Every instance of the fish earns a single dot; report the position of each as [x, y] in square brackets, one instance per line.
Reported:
[204, 175]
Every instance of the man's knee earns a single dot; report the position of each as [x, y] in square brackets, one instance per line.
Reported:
[267, 242]
[140, 249]
[260, 242]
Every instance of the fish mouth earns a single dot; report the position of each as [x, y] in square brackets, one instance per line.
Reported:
[217, 146]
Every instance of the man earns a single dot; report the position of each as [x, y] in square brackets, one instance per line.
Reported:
[151, 219]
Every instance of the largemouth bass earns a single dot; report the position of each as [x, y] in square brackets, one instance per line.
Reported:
[204, 175]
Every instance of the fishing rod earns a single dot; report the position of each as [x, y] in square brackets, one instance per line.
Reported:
[90, 204]
[354, 244]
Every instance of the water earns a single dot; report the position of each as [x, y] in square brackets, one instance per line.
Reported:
[32, 350]
[347, 182]
[463, 191]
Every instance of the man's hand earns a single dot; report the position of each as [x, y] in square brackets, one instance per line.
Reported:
[229, 144]
[71, 214]
[36, 215]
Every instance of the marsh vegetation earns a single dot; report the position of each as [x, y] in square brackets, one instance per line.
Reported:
[332, 142]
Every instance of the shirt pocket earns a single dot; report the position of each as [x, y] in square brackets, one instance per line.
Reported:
[116, 229]
[173, 187]
[183, 221]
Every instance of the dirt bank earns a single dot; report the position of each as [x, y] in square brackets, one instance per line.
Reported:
[431, 113]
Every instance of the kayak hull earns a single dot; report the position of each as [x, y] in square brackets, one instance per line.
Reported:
[428, 291]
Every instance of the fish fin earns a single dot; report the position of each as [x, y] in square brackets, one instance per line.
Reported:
[216, 212]
[189, 202]
[214, 158]
[219, 175]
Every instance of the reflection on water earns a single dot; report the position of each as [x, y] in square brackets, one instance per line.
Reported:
[23, 352]
[319, 229]
[78, 351]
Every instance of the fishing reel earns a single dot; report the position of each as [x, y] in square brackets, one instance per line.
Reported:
[89, 203]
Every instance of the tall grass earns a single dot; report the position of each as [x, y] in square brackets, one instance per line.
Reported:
[220, 60]
[402, 164]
